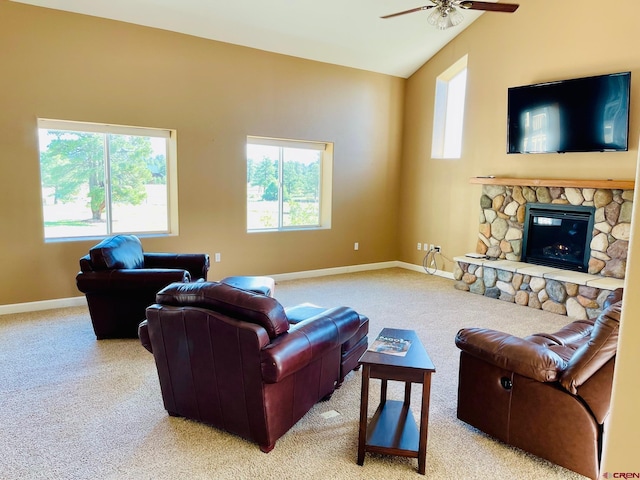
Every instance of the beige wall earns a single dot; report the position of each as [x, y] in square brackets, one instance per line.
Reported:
[73, 67]
[542, 41]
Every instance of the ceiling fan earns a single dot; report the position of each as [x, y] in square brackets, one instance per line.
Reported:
[445, 13]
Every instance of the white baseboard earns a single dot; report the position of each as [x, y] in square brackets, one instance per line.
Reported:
[43, 305]
[420, 268]
[356, 268]
[81, 301]
[322, 272]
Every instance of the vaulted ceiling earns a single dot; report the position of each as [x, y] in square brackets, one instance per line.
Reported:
[343, 32]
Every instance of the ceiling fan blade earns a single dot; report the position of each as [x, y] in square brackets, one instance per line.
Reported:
[488, 6]
[426, 7]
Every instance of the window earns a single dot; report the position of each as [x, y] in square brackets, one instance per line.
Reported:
[100, 180]
[449, 111]
[288, 184]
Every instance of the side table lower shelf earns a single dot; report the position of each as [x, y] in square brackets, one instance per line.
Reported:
[393, 430]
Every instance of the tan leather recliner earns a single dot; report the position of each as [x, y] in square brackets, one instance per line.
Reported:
[547, 394]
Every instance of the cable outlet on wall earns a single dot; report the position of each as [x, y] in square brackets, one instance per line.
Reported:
[216, 258]
[437, 248]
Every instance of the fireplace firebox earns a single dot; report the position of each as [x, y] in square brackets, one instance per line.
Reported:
[558, 235]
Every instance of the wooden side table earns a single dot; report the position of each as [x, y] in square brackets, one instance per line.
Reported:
[392, 429]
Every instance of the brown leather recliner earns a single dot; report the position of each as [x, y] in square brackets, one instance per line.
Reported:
[120, 281]
[230, 358]
[547, 394]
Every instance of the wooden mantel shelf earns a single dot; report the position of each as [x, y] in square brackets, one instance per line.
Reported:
[552, 182]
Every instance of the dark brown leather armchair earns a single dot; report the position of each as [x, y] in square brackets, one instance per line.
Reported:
[120, 281]
[230, 358]
[547, 394]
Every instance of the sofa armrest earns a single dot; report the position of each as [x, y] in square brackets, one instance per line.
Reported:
[85, 264]
[511, 353]
[307, 341]
[196, 263]
[143, 335]
[129, 280]
[345, 319]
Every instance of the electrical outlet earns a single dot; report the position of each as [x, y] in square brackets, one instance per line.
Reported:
[431, 247]
[437, 248]
[419, 246]
[356, 246]
[217, 258]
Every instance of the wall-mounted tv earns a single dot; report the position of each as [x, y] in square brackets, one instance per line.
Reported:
[588, 114]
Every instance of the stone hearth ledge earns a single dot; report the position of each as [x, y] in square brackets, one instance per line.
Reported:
[575, 294]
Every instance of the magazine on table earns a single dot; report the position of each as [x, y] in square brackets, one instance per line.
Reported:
[390, 345]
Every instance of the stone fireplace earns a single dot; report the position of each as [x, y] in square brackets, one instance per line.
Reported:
[503, 214]
[505, 274]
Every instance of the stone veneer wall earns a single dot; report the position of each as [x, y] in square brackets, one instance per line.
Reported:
[564, 298]
[502, 222]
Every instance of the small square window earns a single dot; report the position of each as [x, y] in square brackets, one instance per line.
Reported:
[288, 184]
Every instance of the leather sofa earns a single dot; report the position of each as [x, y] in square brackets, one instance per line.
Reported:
[231, 358]
[120, 281]
[547, 394]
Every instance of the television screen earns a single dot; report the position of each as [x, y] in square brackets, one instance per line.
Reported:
[579, 115]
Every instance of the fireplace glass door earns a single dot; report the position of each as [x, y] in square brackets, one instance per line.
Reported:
[558, 236]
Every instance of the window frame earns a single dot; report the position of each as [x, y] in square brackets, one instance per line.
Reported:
[443, 111]
[170, 135]
[325, 187]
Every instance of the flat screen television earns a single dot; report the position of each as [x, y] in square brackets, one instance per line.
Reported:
[588, 114]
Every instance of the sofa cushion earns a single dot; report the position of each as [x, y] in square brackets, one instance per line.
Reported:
[233, 302]
[118, 252]
[301, 312]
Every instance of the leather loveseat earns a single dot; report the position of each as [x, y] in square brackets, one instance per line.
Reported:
[548, 393]
[230, 358]
[120, 281]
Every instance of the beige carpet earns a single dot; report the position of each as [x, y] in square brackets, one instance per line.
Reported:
[76, 408]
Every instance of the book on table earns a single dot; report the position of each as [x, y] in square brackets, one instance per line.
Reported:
[390, 345]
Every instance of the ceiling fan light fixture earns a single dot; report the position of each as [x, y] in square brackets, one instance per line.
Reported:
[444, 16]
[434, 16]
[455, 17]
[444, 22]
